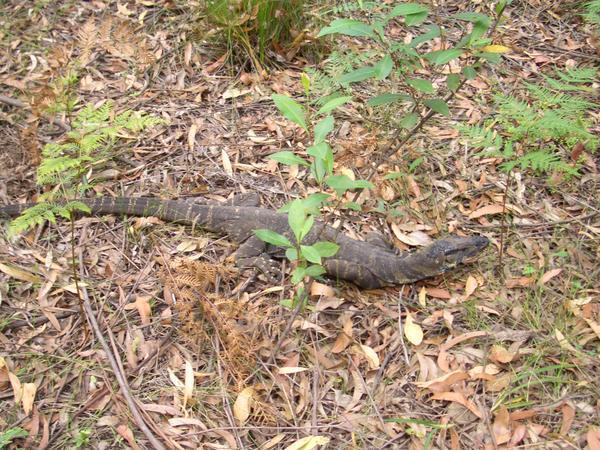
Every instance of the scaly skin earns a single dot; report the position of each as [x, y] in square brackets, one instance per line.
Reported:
[363, 263]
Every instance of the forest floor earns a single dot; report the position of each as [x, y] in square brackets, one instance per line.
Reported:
[509, 356]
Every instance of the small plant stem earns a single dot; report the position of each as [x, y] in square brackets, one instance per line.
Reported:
[503, 224]
[76, 279]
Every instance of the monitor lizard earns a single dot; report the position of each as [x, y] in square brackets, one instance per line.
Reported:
[367, 264]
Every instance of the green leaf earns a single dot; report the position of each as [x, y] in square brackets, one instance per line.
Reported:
[473, 17]
[469, 72]
[323, 163]
[409, 121]
[492, 58]
[291, 254]
[415, 19]
[342, 183]
[298, 274]
[406, 9]
[326, 249]
[440, 57]
[386, 98]
[421, 85]
[6, 437]
[323, 128]
[438, 105]
[288, 158]
[315, 271]
[394, 175]
[310, 254]
[272, 237]
[384, 67]
[416, 163]
[433, 32]
[352, 206]
[290, 109]
[364, 73]
[305, 81]
[453, 82]
[333, 103]
[349, 27]
[308, 224]
[297, 218]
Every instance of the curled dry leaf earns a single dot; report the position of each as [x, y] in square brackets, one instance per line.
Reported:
[308, 443]
[243, 404]
[29, 390]
[501, 355]
[501, 427]
[470, 286]
[371, 356]
[460, 399]
[412, 331]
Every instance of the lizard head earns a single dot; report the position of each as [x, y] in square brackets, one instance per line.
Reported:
[447, 253]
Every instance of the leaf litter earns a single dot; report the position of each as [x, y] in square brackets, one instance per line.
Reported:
[491, 356]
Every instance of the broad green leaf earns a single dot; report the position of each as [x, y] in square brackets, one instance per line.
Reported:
[479, 29]
[342, 183]
[433, 32]
[421, 85]
[384, 67]
[323, 163]
[288, 158]
[273, 238]
[473, 17]
[409, 121]
[326, 249]
[298, 274]
[493, 58]
[349, 27]
[291, 253]
[333, 103]
[290, 109]
[386, 98]
[352, 206]
[310, 254]
[364, 73]
[405, 9]
[415, 19]
[323, 128]
[297, 218]
[315, 271]
[440, 57]
[308, 224]
[438, 105]
[453, 82]
[469, 72]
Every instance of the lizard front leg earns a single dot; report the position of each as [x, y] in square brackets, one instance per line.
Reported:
[253, 253]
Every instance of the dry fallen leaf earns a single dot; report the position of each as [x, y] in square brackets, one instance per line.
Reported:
[308, 443]
[486, 211]
[243, 404]
[412, 331]
[501, 427]
[29, 390]
[460, 399]
[371, 356]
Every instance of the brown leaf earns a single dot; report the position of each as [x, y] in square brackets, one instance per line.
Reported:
[458, 398]
[29, 390]
[568, 415]
[593, 438]
[486, 211]
[127, 434]
[501, 427]
[243, 404]
[549, 275]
